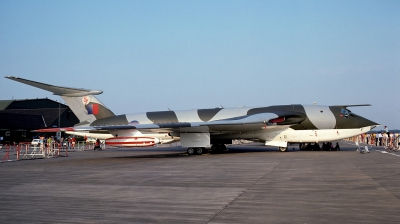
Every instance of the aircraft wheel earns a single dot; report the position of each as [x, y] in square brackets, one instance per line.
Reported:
[216, 148]
[282, 149]
[190, 151]
[199, 151]
[223, 148]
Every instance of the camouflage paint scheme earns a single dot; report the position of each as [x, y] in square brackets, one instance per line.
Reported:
[274, 125]
[226, 123]
[323, 117]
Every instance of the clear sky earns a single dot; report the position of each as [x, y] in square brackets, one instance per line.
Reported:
[154, 55]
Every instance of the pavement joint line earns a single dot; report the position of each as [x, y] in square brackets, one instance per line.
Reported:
[372, 179]
[255, 182]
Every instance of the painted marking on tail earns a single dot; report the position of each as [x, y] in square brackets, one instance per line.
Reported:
[92, 108]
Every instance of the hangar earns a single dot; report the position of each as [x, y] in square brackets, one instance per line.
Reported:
[19, 117]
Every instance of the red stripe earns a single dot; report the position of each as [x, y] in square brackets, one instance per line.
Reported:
[95, 108]
[130, 145]
[114, 138]
[126, 143]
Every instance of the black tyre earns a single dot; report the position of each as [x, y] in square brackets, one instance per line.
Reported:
[199, 151]
[282, 149]
[190, 151]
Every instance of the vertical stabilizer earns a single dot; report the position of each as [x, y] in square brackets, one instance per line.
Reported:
[81, 101]
[87, 108]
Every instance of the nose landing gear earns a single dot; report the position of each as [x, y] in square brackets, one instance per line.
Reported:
[283, 149]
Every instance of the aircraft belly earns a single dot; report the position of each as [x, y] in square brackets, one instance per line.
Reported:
[290, 135]
[321, 135]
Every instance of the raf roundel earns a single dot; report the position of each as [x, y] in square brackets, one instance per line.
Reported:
[85, 100]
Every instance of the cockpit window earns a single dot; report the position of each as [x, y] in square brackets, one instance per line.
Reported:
[344, 113]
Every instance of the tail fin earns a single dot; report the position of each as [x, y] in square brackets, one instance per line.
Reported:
[81, 101]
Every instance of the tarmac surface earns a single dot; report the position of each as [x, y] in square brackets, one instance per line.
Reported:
[248, 184]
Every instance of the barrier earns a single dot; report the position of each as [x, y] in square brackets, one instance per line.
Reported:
[37, 151]
[6, 157]
[25, 151]
[22, 152]
[53, 150]
[82, 146]
[392, 141]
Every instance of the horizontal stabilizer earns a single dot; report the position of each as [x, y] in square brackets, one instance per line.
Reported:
[355, 105]
[57, 90]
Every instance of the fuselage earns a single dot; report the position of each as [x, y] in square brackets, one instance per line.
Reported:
[284, 123]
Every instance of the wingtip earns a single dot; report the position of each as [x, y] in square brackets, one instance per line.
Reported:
[12, 77]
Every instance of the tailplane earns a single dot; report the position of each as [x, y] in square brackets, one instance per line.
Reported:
[81, 101]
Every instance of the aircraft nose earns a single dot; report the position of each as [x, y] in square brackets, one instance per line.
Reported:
[364, 122]
[354, 121]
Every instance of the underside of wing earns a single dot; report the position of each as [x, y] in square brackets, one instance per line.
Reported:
[44, 130]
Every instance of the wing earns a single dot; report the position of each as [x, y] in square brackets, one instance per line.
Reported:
[54, 129]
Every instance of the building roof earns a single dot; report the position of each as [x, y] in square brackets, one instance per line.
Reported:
[4, 104]
[47, 115]
[31, 114]
[30, 104]
[21, 121]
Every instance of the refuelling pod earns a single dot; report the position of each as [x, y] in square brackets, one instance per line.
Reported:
[132, 141]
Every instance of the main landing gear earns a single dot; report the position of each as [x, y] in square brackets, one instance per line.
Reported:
[198, 151]
[218, 148]
[215, 148]
[326, 146]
